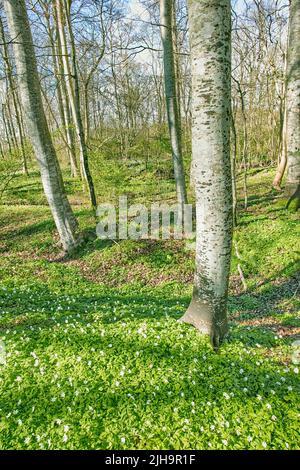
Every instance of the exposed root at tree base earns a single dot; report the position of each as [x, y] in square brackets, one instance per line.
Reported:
[200, 315]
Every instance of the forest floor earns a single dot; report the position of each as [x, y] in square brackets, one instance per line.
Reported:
[95, 358]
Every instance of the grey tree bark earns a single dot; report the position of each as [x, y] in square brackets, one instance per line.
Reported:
[293, 106]
[30, 94]
[210, 38]
[166, 21]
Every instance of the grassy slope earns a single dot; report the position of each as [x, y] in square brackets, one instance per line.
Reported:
[95, 357]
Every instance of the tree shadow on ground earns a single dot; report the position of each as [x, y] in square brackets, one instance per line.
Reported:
[250, 308]
[260, 199]
[267, 298]
[273, 214]
[20, 237]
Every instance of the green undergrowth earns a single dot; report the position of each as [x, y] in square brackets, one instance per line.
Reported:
[95, 356]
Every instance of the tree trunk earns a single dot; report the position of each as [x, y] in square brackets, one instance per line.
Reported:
[166, 20]
[9, 75]
[10, 124]
[30, 94]
[233, 169]
[176, 50]
[73, 93]
[245, 140]
[210, 38]
[6, 127]
[86, 112]
[62, 99]
[1, 150]
[293, 107]
[283, 160]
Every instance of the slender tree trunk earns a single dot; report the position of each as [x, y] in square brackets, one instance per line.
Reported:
[86, 112]
[283, 160]
[63, 105]
[88, 81]
[210, 38]
[65, 70]
[10, 124]
[73, 93]
[176, 56]
[68, 123]
[245, 143]
[1, 150]
[233, 170]
[6, 127]
[30, 94]
[293, 107]
[166, 20]
[123, 148]
[245, 156]
[22, 127]
[9, 75]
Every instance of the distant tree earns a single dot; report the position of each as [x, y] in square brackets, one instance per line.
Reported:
[64, 23]
[283, 157]
[210, 38]
[171, 93]
[48, 10]
[30, 94]
[293, 106]
[14, 95]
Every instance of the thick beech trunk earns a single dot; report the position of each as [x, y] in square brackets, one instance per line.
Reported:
[210, 36]
[293, 107]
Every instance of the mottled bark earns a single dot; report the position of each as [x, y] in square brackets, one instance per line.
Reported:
[30, 94]
[293, 106]
[210, 38]
[166, 20]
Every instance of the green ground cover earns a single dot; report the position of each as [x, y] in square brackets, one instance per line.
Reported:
[95, 358]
